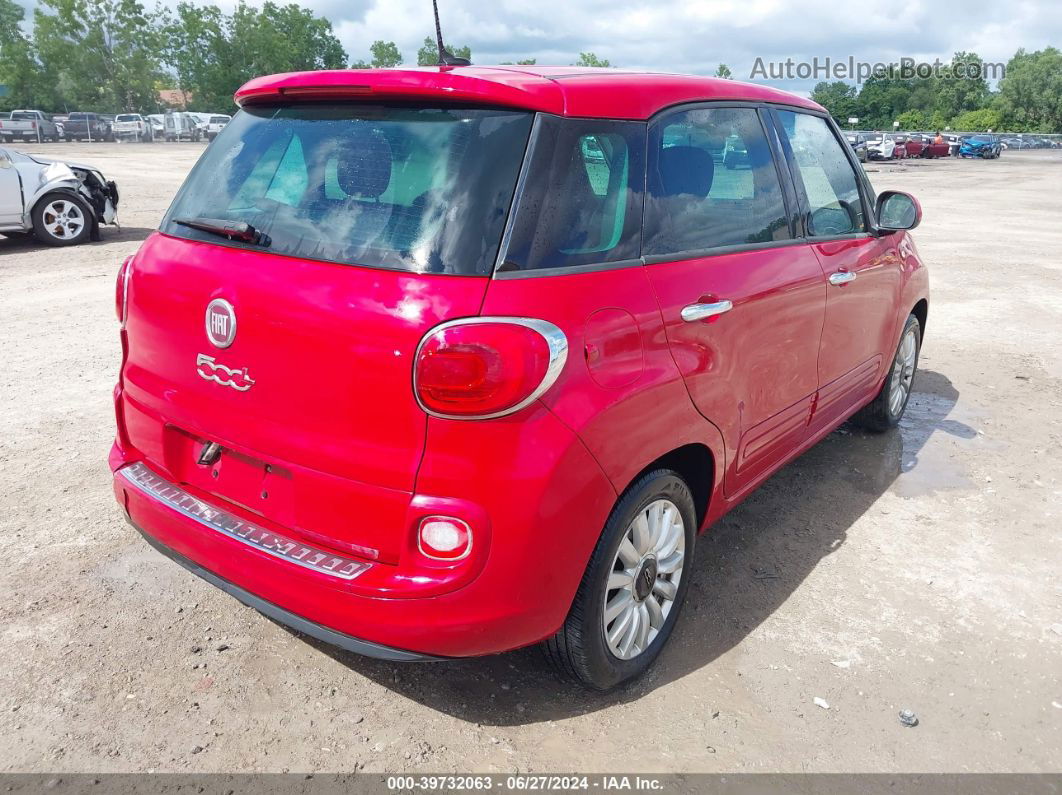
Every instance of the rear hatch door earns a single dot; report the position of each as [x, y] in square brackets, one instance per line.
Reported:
[374, 224]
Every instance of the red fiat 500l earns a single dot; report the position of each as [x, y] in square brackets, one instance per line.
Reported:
[443, 362]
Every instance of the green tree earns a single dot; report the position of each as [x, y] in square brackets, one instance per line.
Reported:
[913, 120]
[19, 69]
[195, 46]
[838, 98]
[104, 54]
[1030, 96]
[883, 98]
[524, 62]
[428, 54]
[589, 59]
[724, 72]
[213, 54]
[978, 121]
[385, 54]
[961, 86]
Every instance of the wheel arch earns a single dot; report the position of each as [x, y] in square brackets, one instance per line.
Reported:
[921, 311]
[696, 465]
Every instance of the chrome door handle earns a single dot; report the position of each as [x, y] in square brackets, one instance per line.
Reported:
[842, 277]
[695, 312]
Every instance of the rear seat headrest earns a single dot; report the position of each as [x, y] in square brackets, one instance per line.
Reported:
[363, 162]
[685, 170]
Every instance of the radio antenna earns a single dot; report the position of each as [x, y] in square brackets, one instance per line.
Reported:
[446, 58]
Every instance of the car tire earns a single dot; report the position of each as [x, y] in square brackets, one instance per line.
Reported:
[62, 211]
[642, 574]
[886, 410]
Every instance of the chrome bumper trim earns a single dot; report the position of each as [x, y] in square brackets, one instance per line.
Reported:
[255, 536]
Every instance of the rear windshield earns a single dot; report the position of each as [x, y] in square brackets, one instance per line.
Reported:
[422, 189]
[126, 117]
[218, 119]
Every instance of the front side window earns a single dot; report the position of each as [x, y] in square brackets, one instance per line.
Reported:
[581, 202]
[835, 206]
[422, 189]
[712, 182]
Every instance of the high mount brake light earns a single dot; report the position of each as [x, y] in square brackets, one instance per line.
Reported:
[121, 290]
[485, 367]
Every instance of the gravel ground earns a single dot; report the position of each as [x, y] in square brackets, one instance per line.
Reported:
[917, 569]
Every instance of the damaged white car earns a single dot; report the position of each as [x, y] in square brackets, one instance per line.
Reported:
[61, 203]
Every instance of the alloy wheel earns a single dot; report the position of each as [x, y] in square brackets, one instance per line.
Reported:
[63, 219]
[642, 586]
[903, 369]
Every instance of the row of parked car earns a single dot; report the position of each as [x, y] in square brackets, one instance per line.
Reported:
[895, 146]
[35, 125]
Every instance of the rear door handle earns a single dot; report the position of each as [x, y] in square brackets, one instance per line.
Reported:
[695, 312]
[842, 277]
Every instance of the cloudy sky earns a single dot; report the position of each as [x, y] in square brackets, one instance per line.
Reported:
[696, 35]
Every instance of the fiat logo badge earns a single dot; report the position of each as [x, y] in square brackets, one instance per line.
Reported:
[220, 323]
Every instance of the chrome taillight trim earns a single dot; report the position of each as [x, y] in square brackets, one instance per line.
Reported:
[127, 270]
[140, 476]
[558, 355]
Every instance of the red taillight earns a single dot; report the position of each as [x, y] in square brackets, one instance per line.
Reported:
[121, 290]
[487, 367]
[444, 538]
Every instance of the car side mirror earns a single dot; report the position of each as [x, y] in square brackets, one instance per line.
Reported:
[897, 211]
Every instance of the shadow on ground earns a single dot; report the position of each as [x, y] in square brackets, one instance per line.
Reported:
[11, 243]
[747, 565]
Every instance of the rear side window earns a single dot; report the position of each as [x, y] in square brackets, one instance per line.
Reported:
[581, 202]
[422, 189]
[835, 206]
[712, 182]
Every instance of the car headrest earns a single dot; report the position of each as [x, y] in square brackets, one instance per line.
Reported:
[363, 162]
[685, 170]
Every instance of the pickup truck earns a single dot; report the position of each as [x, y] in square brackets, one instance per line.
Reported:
[87, 126]
[132, 127]
[28, 125]
[216, 124]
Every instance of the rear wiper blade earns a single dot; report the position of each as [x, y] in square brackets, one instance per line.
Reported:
[233, 230]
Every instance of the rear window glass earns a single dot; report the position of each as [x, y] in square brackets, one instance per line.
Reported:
[581, 203]
[125, 117]
[421, 189]
[712, 183]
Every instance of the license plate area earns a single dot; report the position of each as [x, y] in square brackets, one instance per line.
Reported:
[258, 486]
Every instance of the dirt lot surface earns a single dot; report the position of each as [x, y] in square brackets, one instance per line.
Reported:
[917, 569]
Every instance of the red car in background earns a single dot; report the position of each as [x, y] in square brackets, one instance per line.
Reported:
[916, 145]
[934, 149]
[444, 362]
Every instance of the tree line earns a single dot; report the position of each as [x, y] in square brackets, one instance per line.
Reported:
[114, 55]
[1027, 99]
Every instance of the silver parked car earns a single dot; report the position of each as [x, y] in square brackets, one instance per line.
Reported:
[61, 203]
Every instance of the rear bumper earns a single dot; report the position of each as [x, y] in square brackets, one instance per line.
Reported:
[289, 619]
[536, 514]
